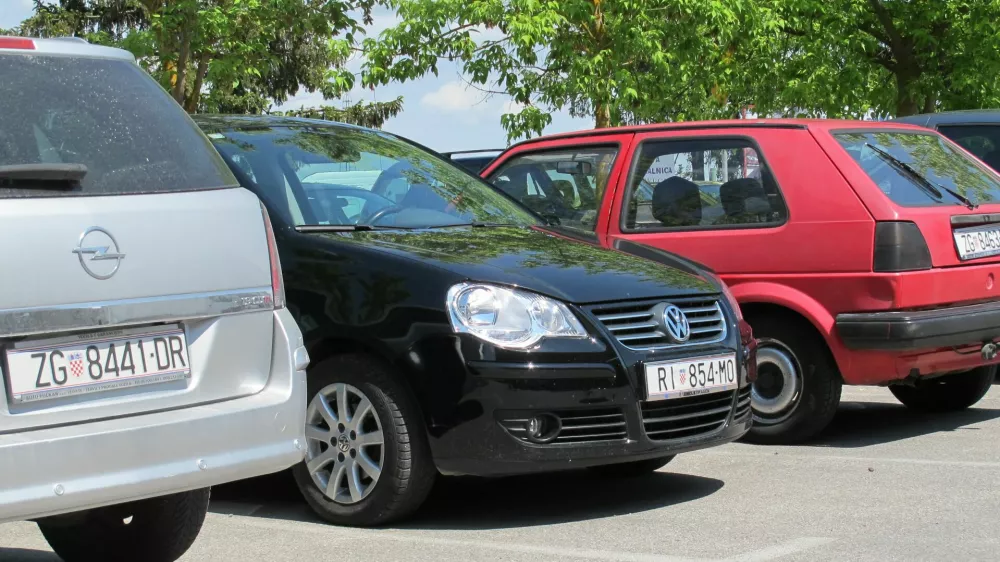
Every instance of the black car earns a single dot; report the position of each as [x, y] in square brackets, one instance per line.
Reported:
[474, 161]
[451, 331]
[977, 131]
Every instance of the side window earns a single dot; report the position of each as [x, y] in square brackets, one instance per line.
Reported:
[702, 183]
[562, 185]
[981, 140]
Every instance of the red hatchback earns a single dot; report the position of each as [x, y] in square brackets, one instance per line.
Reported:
[861, 253]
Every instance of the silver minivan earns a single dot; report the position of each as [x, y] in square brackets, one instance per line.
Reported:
[145, 350]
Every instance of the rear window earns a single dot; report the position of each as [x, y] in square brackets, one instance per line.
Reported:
[927, 154]
[107, 115]
[981, 140]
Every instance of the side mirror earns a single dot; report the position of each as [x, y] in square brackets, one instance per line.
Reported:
[574, 167]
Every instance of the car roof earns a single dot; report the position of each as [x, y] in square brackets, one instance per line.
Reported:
[221, 122]
[815, 124]
[62, 46]
[953, 117]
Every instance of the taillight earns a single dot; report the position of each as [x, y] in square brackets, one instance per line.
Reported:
[17, 43]
[899, 246]
[277, 282]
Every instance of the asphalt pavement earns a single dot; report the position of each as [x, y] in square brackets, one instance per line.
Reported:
[881, 484]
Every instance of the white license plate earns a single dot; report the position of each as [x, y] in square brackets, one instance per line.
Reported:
[977, 242]
[102, 361]
[700, 375]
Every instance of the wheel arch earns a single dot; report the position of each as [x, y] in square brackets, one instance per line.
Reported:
[768, 299]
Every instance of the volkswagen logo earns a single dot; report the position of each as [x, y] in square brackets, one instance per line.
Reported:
[676, 323]
[99, 253]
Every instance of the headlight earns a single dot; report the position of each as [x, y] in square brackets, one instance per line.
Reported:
[509, 317]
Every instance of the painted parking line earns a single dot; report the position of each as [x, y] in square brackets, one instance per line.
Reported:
[774, 552]
[992, 465]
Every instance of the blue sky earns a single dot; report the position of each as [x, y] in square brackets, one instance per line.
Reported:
[440, 111]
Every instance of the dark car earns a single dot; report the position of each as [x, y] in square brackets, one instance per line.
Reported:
[474, 161]
[977, 131]
[451, 331]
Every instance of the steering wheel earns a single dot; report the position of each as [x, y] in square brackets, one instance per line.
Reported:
[384, 211]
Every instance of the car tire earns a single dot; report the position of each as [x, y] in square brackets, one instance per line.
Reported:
[950, 393]
[407, 471]
[798, 385]
[160, 530]
[631, 469]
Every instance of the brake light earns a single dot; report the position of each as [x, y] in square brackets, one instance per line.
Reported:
[899, 246]
[17, 43]
[277, 282]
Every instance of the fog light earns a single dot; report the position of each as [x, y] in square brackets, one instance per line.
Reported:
[543, 428]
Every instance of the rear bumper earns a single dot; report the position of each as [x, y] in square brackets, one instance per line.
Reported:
[67, 469]
[925, 329]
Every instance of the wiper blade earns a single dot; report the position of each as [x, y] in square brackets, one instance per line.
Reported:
[934, 189]
[43, 175]
[335, 228]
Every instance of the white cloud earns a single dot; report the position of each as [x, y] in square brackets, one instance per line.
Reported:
[451, 97]
[511, 106]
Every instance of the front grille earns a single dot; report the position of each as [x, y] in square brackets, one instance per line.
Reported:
[742, 403]
[576, 426]
[686, 417]
[640, 326]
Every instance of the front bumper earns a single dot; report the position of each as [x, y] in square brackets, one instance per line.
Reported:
[602, 416]
[74, 468]
[922, 329]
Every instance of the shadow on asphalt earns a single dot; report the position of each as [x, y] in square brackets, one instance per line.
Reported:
[859, 424]
[489, 503]
[26, 555]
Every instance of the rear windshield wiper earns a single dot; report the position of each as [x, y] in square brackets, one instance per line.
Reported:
[42, 175]
[934, 189]
[335, 228]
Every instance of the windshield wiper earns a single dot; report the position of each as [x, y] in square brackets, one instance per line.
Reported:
[42, 175]
[934, 189]
[336, 228]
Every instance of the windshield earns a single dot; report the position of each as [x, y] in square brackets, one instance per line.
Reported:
[929, 155]
[339, 175]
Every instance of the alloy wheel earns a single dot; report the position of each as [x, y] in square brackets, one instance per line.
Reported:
[346, 449]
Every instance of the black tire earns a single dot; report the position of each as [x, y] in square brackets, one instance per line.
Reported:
[816, 402]
[408, 471]
[631, 469]
[161, 530]
[950, 393]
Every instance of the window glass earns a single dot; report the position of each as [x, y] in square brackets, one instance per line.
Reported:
[340, 175]
[981, 140]
[564, 186]
[935, 167]
[701, 183]
[109, 116]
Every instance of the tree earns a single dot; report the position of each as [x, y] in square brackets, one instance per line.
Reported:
[620, 62]
[858, 58]
[230, 56]
[372, 115]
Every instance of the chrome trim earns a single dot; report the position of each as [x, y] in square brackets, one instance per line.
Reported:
[653, 312]
[91, 315]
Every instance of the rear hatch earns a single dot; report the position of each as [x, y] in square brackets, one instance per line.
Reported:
[920, 176]
[137, 275]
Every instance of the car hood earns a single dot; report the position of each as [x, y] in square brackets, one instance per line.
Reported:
[564, 265]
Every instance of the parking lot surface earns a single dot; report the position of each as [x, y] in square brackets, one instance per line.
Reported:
[881, 484]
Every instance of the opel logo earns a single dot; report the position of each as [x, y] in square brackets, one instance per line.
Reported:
[676, 323]
[99, 253]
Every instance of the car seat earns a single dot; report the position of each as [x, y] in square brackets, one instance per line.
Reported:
[677, 202]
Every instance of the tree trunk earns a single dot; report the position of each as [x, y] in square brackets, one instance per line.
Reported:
[182, 60]
[906, 98]
[602, 116]
[930, 103]
[191, 106]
